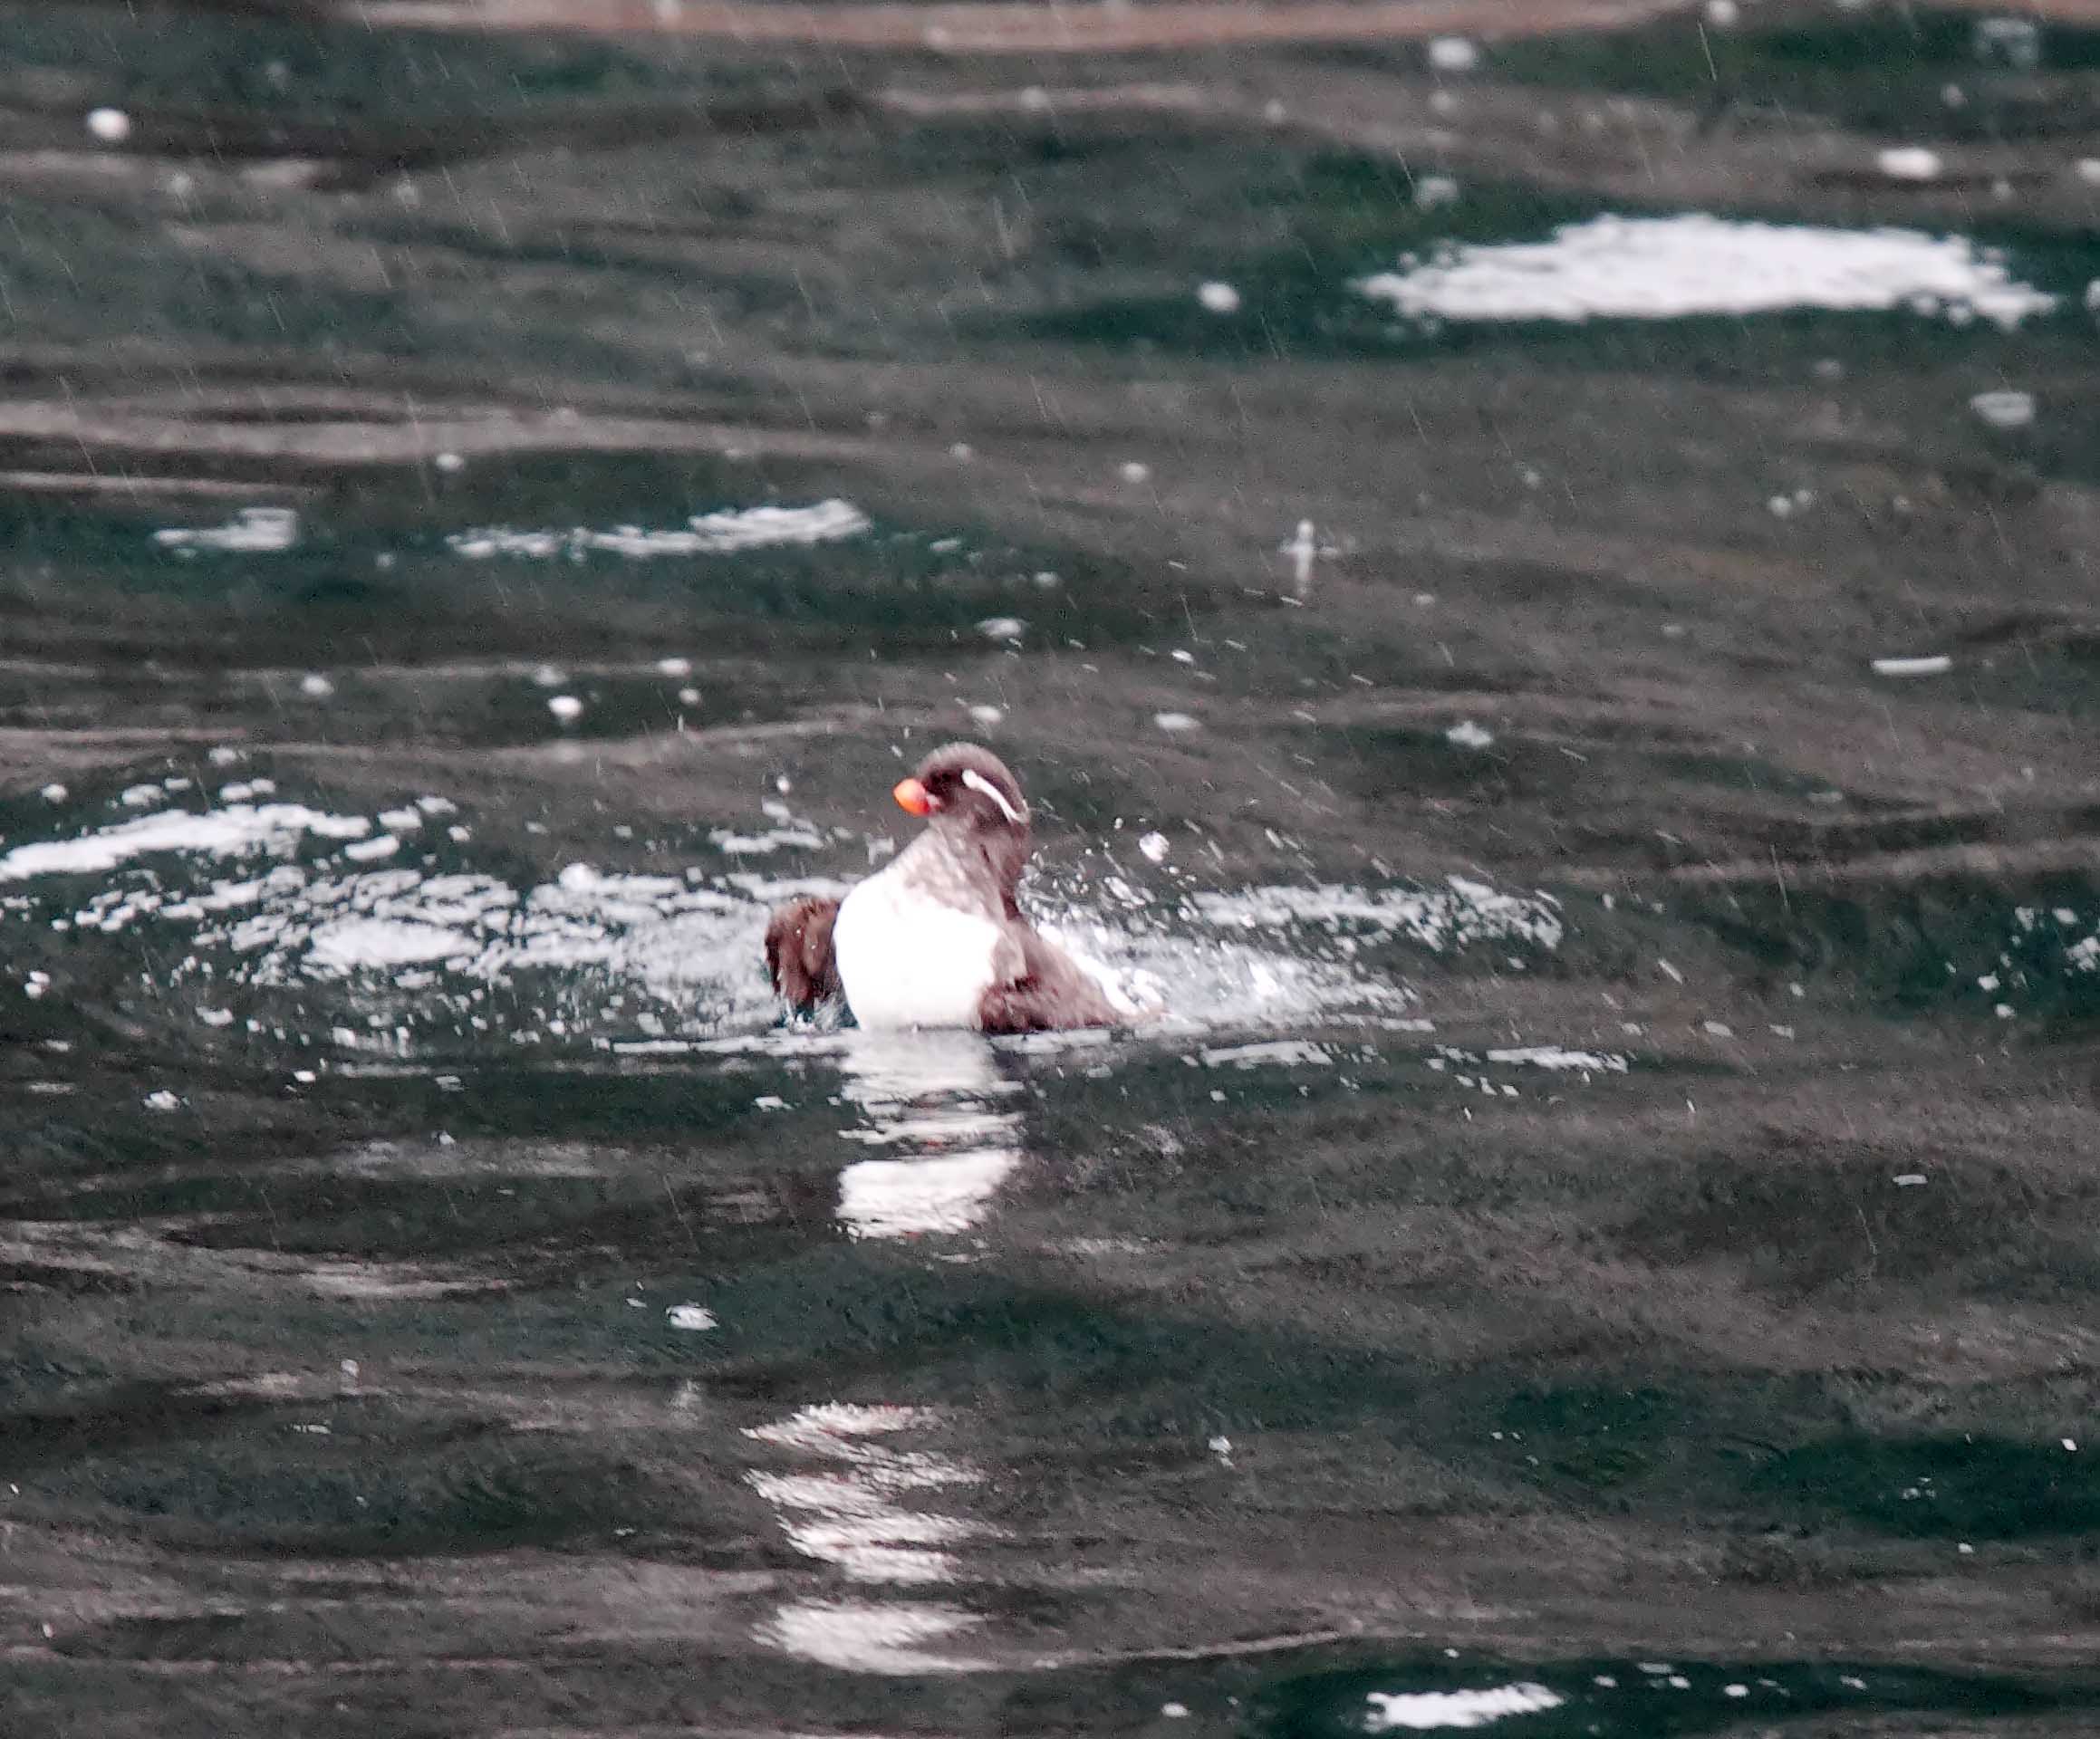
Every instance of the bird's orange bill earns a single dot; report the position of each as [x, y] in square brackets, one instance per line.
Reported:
[913, 798]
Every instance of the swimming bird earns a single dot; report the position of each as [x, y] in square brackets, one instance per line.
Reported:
[936, 939]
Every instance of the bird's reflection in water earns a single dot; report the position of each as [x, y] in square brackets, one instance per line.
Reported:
[858, 1489]
[934, 1108]
[859, 1492]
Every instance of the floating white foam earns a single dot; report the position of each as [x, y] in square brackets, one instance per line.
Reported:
[1433, 192]
[1559, 1058]
[2006, 410]
[1669, 268]
[1283, 1052]
[1151, 967]
[234, 831]
[1909, 163]
[1424, 1710]
[362, 944]
[1465, 912]
[254, 531]
[726, 533]
[423, 947]
[1454, 54]
[799, 836]
[299, 923]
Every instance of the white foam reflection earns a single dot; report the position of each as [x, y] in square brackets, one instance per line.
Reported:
[932, 1099]
[860, 1637]
[856, 1495]
[1669, 268]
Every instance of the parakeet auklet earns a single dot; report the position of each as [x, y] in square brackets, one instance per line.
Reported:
[936, 938]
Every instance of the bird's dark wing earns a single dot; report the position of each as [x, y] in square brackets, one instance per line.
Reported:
[798, 951]
[1053, 992]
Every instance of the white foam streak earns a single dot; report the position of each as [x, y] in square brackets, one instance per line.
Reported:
[1281, 1051]
[1463, 912]
[1669, 268]
[237, 829]
[727, 532]
[307, 922]
[363, 943]
[1424, 1710]
[254, 531]
[747, 845]
[1559, 1058]
[682, 956]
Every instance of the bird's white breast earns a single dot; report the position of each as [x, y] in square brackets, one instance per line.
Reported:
[907, 959]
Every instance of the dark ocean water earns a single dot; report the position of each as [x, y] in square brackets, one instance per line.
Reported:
[1545, 601]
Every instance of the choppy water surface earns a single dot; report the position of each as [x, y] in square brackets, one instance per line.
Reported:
[1541, 592]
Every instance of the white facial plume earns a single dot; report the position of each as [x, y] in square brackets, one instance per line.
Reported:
[976, 781]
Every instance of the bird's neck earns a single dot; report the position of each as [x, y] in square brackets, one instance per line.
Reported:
[1003, 850]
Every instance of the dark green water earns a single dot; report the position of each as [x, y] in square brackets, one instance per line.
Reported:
[1602, 1241]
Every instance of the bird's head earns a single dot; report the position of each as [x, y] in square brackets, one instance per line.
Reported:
[967, 783]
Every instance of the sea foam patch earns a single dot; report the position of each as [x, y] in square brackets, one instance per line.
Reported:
[1672, 268]
[1461, 912]
[1425, 1711]
[254, 531]
[375, 932]
[731, 531]
[237, 829]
